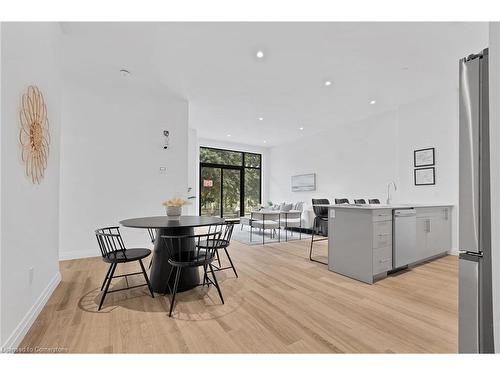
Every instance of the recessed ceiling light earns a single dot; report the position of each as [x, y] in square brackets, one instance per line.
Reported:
[124, 73]
[261, 118]
[328, 83]
[259, 54]
[373, 102]
[301, 128]
[228, 135]
[265, 141]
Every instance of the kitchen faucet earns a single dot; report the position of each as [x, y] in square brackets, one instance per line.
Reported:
[388, 191]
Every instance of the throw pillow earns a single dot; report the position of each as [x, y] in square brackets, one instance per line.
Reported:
[299, 206]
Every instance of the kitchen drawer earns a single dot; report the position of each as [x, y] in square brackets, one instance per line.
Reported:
[433, 212]
[382, 260]
[382, 227]
[382, 240]
[382, 215]
[382, 234]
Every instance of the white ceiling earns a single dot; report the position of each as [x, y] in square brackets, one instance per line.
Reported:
[214, 67]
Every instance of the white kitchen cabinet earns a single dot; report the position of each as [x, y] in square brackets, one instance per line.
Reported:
[361, 238]
[433, 231]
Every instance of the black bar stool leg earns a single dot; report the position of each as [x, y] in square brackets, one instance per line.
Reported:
[106, 278]
[312, 239]
[107, 285]
[231, 262]
[176, 284]
[147, 279]
[216, 283]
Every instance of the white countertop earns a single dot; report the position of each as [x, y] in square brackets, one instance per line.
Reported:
[382, 206]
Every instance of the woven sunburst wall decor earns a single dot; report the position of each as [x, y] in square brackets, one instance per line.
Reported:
[34, 133]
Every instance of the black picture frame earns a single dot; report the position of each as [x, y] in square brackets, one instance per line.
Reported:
[423, 150]
[415, 171]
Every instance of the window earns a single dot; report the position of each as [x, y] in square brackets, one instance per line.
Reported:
[230, 182]
[222, 157]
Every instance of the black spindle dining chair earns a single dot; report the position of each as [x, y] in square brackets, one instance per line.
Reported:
[321, 216]
[113, 251]
[152, 235]
[201, 255]
[359, 201]
[374, 201]
[223, 243]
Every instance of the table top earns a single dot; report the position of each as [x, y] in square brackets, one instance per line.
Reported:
[156, 222]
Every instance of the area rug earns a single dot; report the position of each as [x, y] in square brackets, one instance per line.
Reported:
[243, 235]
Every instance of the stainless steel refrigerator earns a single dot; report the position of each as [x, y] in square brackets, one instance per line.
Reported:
[475, 289]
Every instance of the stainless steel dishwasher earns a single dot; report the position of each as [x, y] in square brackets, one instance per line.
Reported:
[404, 250]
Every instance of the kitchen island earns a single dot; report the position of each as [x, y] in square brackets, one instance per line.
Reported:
[365, 242]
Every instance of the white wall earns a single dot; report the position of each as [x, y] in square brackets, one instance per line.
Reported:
[494, 71]
[431, 122]
[354, 160]
[193, 163]
[111, 154]
[30, 213]
[359, 159]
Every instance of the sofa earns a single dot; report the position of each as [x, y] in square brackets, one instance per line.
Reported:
[307, 214]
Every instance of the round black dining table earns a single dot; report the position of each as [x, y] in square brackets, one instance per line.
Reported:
[164, 225]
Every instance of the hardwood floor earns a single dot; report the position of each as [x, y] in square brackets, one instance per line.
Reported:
[281, 303]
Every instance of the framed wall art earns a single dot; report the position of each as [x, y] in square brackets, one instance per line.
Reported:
[424, 157]
[425, 176]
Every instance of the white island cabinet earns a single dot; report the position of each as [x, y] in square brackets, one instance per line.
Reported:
[361, 241]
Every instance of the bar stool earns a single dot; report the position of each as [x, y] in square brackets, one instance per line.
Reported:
[359, 201]
[341, 201]
[321, 215]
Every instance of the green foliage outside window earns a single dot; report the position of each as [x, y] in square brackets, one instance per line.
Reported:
[213, 176]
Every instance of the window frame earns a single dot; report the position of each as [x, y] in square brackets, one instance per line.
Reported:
[241, 168]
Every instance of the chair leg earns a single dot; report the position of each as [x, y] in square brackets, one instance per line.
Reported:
[150, 263]
[312, 239]
[107, 285]
[205, 277]
[106, 278]
[147, 279]
[218, 259]
[216, 283]
[231, 262]
[311, 249]
[176, 284]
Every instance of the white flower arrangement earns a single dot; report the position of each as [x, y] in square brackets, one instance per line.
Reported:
[176, 202]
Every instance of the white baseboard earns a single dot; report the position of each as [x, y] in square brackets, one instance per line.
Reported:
[22, 328]
[79, 254]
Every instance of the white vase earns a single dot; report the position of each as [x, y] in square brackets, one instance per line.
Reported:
[174, 212]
